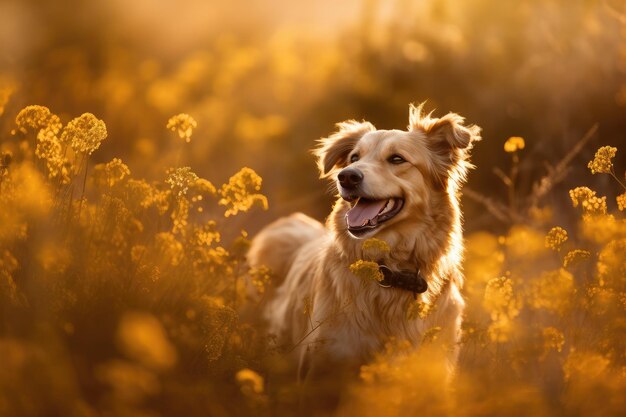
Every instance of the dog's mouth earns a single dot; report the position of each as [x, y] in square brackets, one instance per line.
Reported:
[367, 214]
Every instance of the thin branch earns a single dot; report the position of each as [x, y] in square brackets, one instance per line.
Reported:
[556, 174]
[497, 209]
[318, 325]
[617, 179]
[505, 179]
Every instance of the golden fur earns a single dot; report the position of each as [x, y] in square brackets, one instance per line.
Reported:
[349, 320]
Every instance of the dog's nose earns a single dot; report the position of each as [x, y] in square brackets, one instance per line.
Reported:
[350, 177]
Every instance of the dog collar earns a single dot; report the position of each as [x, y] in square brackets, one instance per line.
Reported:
[412, 281]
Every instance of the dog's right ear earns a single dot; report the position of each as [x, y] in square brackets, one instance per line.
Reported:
[333, 150]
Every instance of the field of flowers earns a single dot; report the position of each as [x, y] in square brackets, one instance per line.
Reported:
[133, 175]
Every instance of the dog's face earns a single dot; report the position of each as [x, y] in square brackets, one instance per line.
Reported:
[391, 176]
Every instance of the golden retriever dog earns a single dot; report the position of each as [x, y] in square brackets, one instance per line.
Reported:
[401, 187]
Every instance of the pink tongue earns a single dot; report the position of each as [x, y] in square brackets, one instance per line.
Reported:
[363, 211]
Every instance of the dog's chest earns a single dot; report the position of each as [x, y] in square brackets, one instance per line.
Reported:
[368, 322]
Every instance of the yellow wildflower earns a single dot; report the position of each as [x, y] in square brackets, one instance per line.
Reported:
[611, 266]
[553, 339]
[85, 133]
[594, 206]
[431, 334]
[375, 248]
[206, 234]
[180, 216]
[552, 291]
[555, 238]
[419, 309]
[621, 202]
[36, 118]
[513, 144]
[251, 383]
[204, 186]
[180, 179]
[260, 278]
[112, 172]
[240, 192]
[581, 194]
[601, 163]
[503, 306]
[501, 328]
[367, 270]
[184, 124]
[140, 194]
[499, 297]
[575, 256]
[602, 229]
[49, 149]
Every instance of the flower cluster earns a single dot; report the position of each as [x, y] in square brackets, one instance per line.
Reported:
[180, 179]
[552, 290]
[621, 202]
[375, 249]
[594, 206]
[112, 172]
[591, 204]
[580, 194]
[504, 306]
[555, 238]
[514, 144]
[367, 270]
[240, 193]
[553, 339]
[419, 309]
[601, 163]
[184, 124]
[36, 118]
[49, 150]
[575, 256]
[84, 133]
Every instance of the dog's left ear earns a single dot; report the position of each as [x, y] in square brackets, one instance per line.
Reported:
[333, 150]
[445, 134]
[450, 142]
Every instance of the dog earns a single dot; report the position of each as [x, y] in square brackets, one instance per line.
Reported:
[401, 187]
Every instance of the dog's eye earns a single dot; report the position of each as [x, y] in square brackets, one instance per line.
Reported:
[354, 158]
[396, 159]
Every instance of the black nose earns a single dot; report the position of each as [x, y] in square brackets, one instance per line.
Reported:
[350, 177]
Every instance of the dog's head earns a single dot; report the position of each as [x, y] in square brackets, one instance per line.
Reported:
[387, 177]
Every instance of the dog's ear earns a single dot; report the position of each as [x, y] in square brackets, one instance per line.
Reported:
[448, 132]
[332, 151]
[449, 140]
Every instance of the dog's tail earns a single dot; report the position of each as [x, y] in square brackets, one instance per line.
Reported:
[276, 246]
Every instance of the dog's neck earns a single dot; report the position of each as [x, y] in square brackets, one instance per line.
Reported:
[427, 248]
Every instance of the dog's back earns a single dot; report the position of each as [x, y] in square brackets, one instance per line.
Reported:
[277, 245]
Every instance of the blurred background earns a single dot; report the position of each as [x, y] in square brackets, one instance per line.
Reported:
[264, 79]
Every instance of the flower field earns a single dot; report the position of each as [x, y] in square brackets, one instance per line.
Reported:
[133, 174]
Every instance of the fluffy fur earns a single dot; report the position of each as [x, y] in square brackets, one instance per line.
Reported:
[347, 320]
